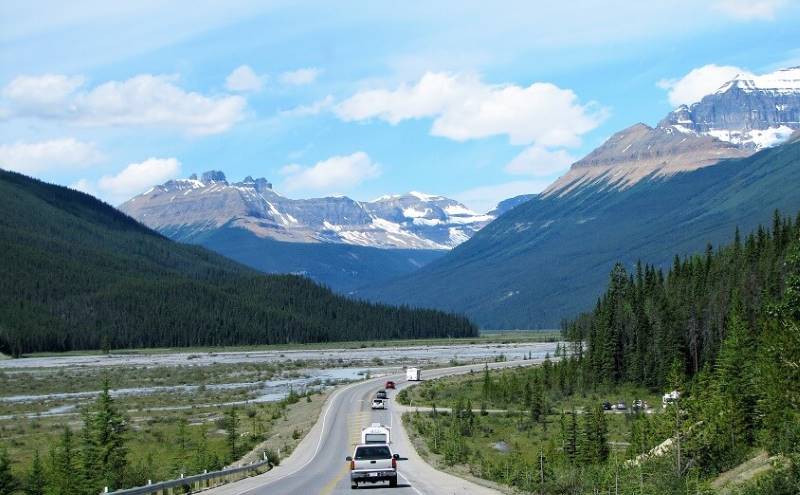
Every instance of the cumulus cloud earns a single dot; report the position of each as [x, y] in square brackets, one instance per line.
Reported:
[244, 79]
[463, 108]
[300, 77]
[132, 180]
[699, 82]
[32, 92]
[314, 108]
[749, 9]
[143, 100]
[335, 174]
[539, 162]
[48, 156]
[485, 198]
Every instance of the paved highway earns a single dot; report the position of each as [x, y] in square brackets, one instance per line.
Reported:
[318, 466]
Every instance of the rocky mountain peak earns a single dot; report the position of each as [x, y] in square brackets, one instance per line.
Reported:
[185, 209]
[749, 111]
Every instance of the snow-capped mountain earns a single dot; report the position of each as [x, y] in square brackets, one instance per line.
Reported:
[187, 209]
[749, 111]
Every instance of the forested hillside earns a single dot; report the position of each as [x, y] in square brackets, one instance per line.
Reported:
[722, 328]
[77, 274]
[548, 258]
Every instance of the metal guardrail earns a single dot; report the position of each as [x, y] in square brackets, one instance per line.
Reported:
[188, 481]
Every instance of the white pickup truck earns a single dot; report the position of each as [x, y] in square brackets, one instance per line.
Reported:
[373, 463]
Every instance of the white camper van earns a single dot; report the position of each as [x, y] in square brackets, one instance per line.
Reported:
[376, 433]
[413, 374]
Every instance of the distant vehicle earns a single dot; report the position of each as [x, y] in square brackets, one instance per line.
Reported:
[413, 374]
[389, 385]
[376, 433]
[669, 398]
[606, 406]
[373, 463]
[378, 404]
[381, 394]
[621, 406]
[638, 404]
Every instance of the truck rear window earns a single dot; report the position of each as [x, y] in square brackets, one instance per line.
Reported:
[372, 453]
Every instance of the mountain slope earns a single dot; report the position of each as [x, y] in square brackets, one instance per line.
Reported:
[339, 242]
[186, 209]
[76, 274]
[547, 258]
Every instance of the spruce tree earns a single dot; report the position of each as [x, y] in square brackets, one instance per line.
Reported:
[8, 484]
[232, 432]
[65, 478]
[35, 482]
[105, 431]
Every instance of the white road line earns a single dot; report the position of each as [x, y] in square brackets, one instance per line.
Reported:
[409, 483]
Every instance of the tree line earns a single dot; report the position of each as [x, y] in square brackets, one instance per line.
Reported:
[77, 274]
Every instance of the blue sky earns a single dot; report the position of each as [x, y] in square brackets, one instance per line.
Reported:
[478, 101]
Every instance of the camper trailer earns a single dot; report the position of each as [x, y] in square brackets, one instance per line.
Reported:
[376, 433]
[413, 374]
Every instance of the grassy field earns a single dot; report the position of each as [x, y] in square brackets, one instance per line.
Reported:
[153, 438]
[486, 337]
[446, 392]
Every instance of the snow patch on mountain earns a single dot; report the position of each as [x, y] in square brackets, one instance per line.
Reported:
[186, 208]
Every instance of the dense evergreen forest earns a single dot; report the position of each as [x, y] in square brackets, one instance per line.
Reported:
[76, 273]
[722, 328]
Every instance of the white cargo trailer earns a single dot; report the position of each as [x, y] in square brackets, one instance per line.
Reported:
[413, 374]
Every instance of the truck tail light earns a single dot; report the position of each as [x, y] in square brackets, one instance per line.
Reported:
[352, 465]
[394, 463]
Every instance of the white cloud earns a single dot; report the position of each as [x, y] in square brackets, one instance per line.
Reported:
[335, 174]
[314, 108]
[300, 77]
[143, 100]
[132, 180]
[465, 108]
[40, 91]
[699, 82]
[539, 162]
[485, 198]
[244, 79]
[749, 9]
[47, 156]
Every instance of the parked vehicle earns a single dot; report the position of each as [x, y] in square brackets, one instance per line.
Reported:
[669, 398]
[378, 404]
[389, 385]
[606, 406]
[621, 406]
[376, 433]
[373, 463]
[413, 374]
[638, 404]
[381, 394]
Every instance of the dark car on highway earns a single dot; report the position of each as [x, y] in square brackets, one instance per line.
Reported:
[381, 394]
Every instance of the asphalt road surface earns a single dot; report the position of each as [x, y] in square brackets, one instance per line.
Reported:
[318, 466]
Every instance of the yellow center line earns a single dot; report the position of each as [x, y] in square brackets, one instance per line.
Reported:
[354, 424]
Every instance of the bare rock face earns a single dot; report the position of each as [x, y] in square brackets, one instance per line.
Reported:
[640, 152]
[187, 209]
